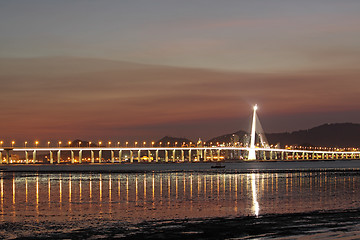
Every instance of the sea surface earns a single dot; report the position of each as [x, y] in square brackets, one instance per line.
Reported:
[230, 203]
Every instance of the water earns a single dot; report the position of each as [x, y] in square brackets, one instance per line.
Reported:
[117, 205]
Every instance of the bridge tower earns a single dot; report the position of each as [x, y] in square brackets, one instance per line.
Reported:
[252, 155]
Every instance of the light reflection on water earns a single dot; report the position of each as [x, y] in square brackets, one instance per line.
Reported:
[137, 197]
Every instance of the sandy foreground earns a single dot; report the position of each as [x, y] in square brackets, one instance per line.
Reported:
[312, 225]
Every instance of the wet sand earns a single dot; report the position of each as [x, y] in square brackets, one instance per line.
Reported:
[309, 225]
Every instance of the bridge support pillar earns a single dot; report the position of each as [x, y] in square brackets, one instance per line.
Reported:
[120, 155]
[149, 155]
[139, 155]
[51, 157]
[173, 155]
[282, 155]
[205, 160]
[218, 155]
[34, 156]
[72, 157]
[211, 155]
[26, 157]
[189, 155]
[198, 155]
[131, 156]
[58, 156]
[92, 156]
[112, 157]
[182, 156]
[166, 156]
[100, 156]
[1, 157]
[80, 156]
[157, 155]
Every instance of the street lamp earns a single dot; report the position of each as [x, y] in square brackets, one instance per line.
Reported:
[109, 143]
[25, 143]
[79, 144]
[48, 144]
[160, 143]
[168, 143]
[89, 144]
[127, 143]
[118, 144]
[69, 143]
[36, 143]
[100, 144]
[144, 143]
[152, 144]
[59, 143]
[1, 142]
[136, 143]
[12, 143]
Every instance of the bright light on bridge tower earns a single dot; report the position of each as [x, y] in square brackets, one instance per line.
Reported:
[252, 155]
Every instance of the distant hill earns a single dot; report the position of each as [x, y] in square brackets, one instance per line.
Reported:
[227, 137]
[172, 141]
[328, 135]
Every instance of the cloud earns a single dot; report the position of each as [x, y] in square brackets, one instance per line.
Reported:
[87, 97]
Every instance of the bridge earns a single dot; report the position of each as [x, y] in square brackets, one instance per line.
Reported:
[213, 153]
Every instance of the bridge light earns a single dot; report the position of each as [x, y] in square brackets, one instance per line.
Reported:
[152, 144]
[118, 143]
[36, 143]
[89, 144]
[12, 143]
[25, 143]
[48, 143]
[59, 143]
[100, 144]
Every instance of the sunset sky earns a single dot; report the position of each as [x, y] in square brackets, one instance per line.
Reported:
[134, 70]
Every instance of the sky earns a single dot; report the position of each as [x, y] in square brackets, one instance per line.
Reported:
[143, 69]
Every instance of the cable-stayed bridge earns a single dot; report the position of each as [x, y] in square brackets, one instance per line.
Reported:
[195, 153]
